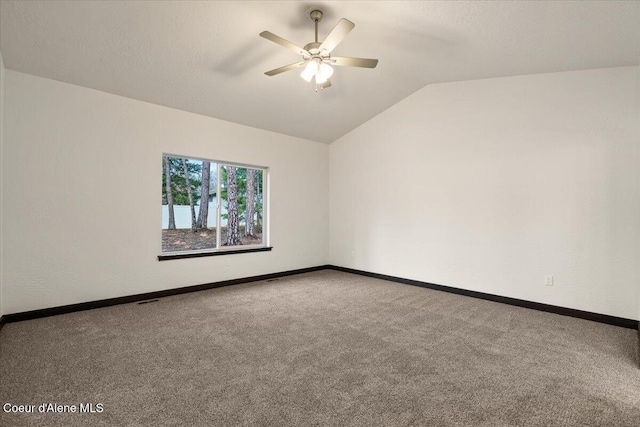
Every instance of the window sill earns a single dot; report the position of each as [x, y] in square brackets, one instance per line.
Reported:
[177, 255]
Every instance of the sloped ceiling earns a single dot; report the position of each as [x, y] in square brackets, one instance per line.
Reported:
[207, 57]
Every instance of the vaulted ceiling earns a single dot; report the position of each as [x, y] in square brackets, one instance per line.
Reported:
[207, 57]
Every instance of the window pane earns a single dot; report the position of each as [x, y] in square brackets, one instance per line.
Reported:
[189, 208]
[242, 205]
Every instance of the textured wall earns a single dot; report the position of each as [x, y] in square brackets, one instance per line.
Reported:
[1, 174]
[638, 124]
[492, 184]
[74, 157]
[486, 185]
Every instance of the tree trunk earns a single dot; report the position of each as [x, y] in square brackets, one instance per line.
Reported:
[167, 172]
[248, 230]
[233, 225]
[204, 196]
[186, 179]
[259, 195]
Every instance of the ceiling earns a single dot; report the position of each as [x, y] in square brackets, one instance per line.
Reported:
[207, 57]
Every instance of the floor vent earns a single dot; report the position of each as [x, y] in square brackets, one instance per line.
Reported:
[272, 280]
[148, 301]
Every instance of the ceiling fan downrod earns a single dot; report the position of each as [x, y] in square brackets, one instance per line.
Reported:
[316, 16]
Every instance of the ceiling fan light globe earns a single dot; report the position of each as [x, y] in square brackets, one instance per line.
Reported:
[325, 70]
[309, 71]
[306, 75]
[320, 78]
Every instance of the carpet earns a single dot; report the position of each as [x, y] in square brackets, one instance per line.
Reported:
[325, 348]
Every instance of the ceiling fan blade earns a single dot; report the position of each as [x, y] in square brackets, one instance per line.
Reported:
[339, 32]
[282, 42]
[325, 84]
[353, 62]
[285, 68]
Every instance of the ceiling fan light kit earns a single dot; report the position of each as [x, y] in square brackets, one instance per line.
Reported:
[316, 56]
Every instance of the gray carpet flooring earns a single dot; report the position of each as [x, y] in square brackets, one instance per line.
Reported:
[324, 348]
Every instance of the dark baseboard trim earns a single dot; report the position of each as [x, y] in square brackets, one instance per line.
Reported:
[53, 311]
[596, 317]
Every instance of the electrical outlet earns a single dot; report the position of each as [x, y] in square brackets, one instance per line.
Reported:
[227, 263]
[548, 280]
[353, 254]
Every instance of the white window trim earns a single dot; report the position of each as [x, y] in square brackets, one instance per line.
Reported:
[219, 249]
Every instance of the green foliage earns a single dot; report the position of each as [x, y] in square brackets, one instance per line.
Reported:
[178, 181]
[179, 187]
[241, 178]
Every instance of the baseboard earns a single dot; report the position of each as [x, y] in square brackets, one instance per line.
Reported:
[596, 317]
[53, 311]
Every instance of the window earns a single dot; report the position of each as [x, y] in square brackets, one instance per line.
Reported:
[211, 207]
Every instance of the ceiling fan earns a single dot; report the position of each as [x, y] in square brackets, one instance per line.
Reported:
[316, 56]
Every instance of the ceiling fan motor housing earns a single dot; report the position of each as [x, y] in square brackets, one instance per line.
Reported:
[312, 48]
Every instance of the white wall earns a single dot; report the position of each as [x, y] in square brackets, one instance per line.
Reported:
[638, 124]
[1, 174]
[73, 157]
[485, 185]
[492, 184]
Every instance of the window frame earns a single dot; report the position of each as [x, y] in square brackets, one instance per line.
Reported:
[219, 249]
